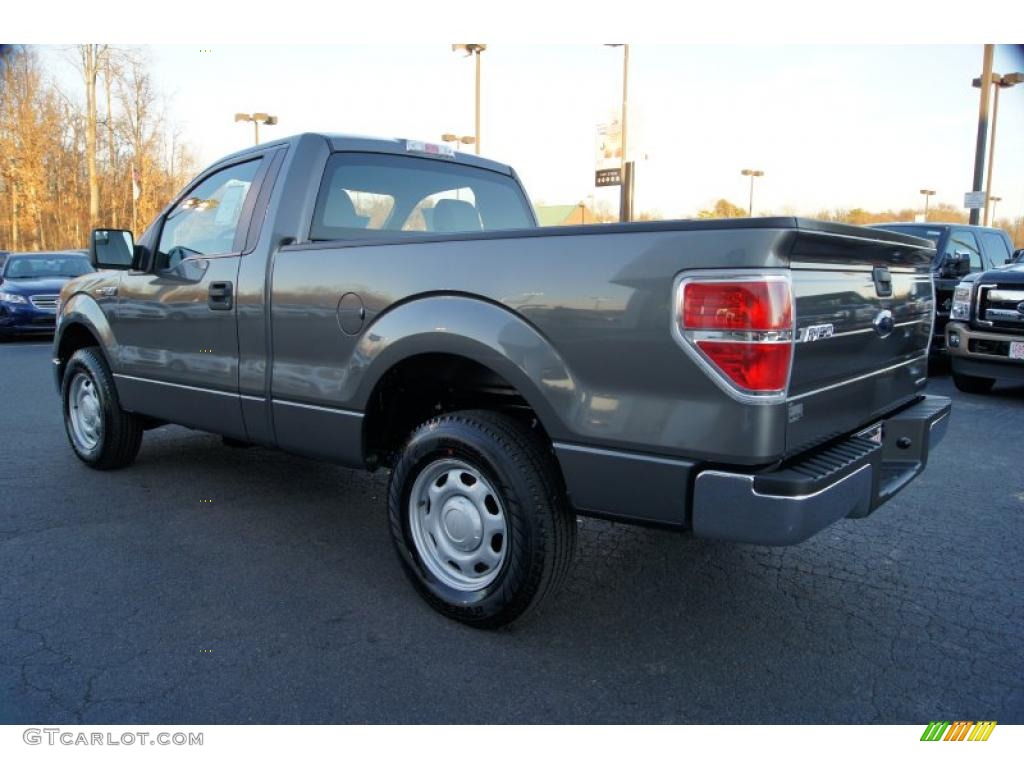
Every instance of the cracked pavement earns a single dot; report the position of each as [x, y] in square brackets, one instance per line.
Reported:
[123, 599]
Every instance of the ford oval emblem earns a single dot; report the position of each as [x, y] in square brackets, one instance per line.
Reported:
[883, 323]
[1020, 308]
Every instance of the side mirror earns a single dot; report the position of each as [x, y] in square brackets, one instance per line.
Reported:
[955, 265]
[111, 249]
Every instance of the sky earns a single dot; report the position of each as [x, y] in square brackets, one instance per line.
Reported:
[836, 126]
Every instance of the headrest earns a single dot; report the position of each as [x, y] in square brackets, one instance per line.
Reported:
[341, 212]
[455, 216]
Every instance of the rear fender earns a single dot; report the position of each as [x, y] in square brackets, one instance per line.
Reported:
[479, 330]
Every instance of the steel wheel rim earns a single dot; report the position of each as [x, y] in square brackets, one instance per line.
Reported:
[85, 412]
[458, 524]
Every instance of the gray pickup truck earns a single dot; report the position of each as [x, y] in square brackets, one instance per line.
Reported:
[392, 304]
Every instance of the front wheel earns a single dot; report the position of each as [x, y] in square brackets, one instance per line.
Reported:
[101, 434]
[479, 518]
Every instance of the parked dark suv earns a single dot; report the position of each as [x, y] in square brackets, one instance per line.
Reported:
[960, 249]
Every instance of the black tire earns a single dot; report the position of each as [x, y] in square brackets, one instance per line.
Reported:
[976, 385]
[118, 433]
[541, 527]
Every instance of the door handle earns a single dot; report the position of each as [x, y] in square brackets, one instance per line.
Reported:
[221, 296]
[882, 280]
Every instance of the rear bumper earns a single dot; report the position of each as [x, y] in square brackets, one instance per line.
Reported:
[851, 478]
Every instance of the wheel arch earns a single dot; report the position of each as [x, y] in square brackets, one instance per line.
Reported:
[472, 346]
[82, 324]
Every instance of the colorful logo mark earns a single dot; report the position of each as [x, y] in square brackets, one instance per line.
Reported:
[960, 730]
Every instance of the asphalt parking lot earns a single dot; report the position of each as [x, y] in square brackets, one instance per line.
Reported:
[125, 597]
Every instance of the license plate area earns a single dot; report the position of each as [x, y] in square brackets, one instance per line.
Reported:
[1017, 350]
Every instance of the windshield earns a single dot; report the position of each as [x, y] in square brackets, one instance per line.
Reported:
[45, 265]
[922, 231]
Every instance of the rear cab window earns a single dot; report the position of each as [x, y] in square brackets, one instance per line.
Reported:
[367, 195]
[996, 249]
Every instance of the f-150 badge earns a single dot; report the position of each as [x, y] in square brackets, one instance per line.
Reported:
[817, 332]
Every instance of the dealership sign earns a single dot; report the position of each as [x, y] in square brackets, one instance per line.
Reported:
[607, 177]
[974, 199]
[608, 163]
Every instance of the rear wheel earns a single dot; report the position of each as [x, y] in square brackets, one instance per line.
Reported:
[100, 432]
[976, 385]
[479, 518]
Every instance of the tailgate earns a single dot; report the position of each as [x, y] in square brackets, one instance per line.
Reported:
[864, 306]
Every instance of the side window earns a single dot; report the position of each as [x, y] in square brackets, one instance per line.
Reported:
[205, 222]
[963, 241]
[995, 248]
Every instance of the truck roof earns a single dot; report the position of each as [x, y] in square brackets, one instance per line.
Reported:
[341, 142]
[932, 224]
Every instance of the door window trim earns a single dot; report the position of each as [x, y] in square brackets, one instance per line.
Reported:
[244, 218]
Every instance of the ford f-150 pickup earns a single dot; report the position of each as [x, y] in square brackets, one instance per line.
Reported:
[393, 304]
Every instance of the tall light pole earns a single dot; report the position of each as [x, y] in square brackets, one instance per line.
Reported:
[927, 194]
[753, 175]
[471, 49]
[998, 82]
[256, 118]
[980, 141]
[992, 199]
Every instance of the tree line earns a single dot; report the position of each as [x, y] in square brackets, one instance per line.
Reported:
[69, 162]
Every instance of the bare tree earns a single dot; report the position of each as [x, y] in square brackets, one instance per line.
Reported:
[93, 58]
[46, 177]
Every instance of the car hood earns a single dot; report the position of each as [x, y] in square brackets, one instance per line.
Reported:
[1012, 274]
[34, 287]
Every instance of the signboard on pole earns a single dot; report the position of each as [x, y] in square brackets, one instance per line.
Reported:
[608, 177]
[974, 199]
[609, 153]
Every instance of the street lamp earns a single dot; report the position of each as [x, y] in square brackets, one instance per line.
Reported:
[470, 49]
[753, 175]
[256, 118]
[459, 140]
[927, 194]
[994, 200]
[999, 82]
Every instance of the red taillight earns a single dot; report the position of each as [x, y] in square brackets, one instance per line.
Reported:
[744, 306]
[753, 366]
[744, 328]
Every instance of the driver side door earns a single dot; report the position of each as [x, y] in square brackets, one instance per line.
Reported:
[176, 322]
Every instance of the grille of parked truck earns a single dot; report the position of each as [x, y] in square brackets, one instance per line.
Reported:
[389, 304]
[985, 335]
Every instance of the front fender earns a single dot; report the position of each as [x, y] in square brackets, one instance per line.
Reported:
[82, 311]
[487, 333]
